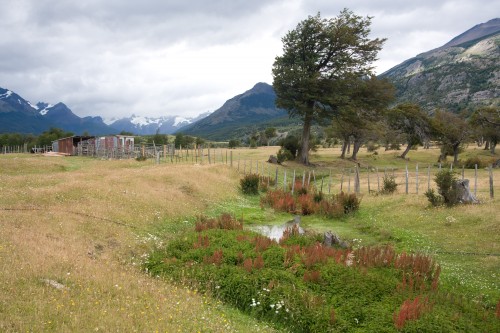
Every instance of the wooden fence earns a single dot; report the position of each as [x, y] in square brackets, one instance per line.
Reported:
[415, 179]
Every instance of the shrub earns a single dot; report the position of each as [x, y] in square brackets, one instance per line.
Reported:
[434, 199]
[350, 202]
[471, 162]
[446, 183]
[284, 155]
[372, 147]
[141, 158]
[250, 184]
[390, 186]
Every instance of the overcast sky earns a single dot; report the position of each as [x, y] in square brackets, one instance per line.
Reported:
[115, 58]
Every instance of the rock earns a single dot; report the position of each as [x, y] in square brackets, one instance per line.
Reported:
[273, 159]
[55, 284]
[496, 164]
[331, 239]
[463, 192]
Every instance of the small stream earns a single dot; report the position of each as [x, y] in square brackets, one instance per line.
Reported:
[275, 232]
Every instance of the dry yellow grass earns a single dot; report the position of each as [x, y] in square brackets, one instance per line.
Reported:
[83, 223]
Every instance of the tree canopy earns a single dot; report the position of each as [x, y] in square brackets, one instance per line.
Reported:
[321, 58]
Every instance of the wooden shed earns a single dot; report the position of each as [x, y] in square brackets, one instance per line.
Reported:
[68, 145]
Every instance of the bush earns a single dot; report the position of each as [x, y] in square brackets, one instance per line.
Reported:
[141, 158]
[390, 186]
[446, 183]
[250, 184]
[471, 162]
[372, 146]
[434, 199]
[350, 202]
[284, 155]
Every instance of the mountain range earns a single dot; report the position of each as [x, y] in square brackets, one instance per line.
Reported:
[462, 74]
[239, 115]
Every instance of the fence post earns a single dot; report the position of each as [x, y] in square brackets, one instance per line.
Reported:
[378, 181]
[250, 166]
[416, 178]
[368, 175]
[231, 156]
[475, 179]
[428, 178]
[342, 181]
[349, 183]
[303, 177]
[330, 182]
[293, 181]
[406, 173]
[284, 182]
[491, 182]
[276, 178]
[463, 167]
[356, 180]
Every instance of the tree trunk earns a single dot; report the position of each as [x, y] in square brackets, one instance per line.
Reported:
[493, 144]
[355, 148]
[455, 153]
[306, 131]
[487, 145]
[344, 148]
[408, 147]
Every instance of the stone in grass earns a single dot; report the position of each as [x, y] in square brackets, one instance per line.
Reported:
[273, 159]
[464, 194]
[331, 239]
[55, 284]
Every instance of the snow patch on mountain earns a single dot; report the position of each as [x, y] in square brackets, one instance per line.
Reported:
[178, 120]
[6, 95]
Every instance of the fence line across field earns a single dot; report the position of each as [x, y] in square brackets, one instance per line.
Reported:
[414, 180]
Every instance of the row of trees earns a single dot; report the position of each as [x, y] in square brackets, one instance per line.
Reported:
[325, 76]
[44, 139]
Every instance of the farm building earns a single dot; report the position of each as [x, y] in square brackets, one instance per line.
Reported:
[68, 145]
[111, 145]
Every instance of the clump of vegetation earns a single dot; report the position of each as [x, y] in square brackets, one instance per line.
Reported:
[447, 189]
[250, 184]
[284, 155]
[389, 185]
[141, 158]
[308, 202]
[471, 163]
[299, 284]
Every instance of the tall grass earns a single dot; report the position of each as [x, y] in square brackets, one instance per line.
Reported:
[88, 225]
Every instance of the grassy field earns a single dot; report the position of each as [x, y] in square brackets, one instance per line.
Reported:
[75, 231]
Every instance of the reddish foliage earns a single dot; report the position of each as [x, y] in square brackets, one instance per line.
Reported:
[225, 221]
[279, 200]
[258, 262]
[410, 310]
[216, 258]
[202, 242]
[288, 232]
[312, 276]
[332, 316]
[262, 243]
[248, 265]
[497, 312]
[375, 256]
[307, 204]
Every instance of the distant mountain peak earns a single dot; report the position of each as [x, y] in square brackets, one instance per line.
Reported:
[478, 31]
[462, 74]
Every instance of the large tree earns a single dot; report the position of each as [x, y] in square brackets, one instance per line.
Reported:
[320, 59]
[411, 122]
[486, 122]
[452, 131]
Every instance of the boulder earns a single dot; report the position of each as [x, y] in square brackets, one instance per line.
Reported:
[273, 160]
[331, 239]
[464, 194]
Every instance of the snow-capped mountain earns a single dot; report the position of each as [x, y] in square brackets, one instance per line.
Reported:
[18, 115]
[147, 125]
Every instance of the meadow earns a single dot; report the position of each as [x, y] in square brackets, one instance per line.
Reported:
[76, 232]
